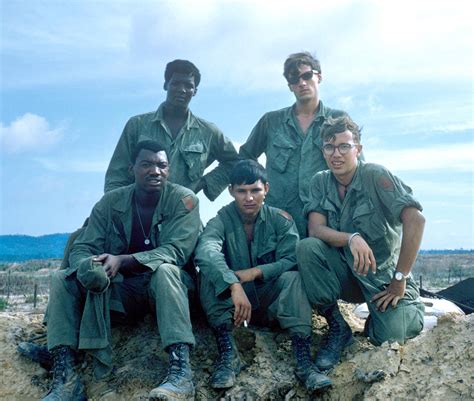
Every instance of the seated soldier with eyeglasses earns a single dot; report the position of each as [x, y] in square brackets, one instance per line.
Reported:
[365, 229]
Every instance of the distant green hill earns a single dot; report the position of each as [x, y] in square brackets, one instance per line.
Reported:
[18, 248]
[460, 251]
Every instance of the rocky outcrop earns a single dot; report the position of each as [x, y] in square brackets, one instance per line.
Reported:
[437, 365]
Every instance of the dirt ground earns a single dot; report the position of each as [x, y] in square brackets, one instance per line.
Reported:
[437, 365]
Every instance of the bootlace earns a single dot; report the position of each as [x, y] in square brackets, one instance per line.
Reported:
[302, 351]
[59, 366]
[335, 334]
[224, 346]
[176, 367]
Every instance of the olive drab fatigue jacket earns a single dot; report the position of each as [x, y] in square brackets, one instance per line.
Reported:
[372, 207]
[175, 229]
[198, 144]
[292, 158]
[222, 247]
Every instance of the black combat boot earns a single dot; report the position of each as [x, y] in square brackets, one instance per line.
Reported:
[37, 353]
[228, 363]
[339, 337]
[66, 384]
[306, 371]
[178, 383]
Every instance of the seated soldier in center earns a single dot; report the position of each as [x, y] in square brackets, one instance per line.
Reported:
[247, 260]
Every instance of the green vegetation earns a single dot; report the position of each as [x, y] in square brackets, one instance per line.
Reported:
[18, 280]
[18, 248]
[3, 304]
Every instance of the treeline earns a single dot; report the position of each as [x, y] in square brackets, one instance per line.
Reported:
[18, 248]
[446, 251]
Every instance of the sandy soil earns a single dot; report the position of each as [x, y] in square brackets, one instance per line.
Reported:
[437, 365]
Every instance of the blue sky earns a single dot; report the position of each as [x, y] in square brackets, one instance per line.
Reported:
[73, 72]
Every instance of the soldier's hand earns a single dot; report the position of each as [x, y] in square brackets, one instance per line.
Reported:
[247, 275]
[363, 256]
[111, 263]
[394, 292]
[243, 308]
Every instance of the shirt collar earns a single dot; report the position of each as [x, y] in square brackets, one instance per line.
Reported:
[191, 120]
[262, 215]
[355, 185]
[124, 202]
[321, 113]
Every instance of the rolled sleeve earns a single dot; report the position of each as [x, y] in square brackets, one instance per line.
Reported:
[224, 152]
[394, 194]
[316, 195]
[117, 174]
[256, 143]
[210, 258]
[91, 241]
[285, 256]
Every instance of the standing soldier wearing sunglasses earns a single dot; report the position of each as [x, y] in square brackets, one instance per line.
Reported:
[290, 139]
[355, 250]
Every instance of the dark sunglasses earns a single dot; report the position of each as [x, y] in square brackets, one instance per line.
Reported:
[306, 76]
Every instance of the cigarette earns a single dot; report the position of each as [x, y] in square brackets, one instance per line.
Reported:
[246, 324]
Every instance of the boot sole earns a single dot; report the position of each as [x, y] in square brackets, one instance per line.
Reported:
[168, 396]
[222, 386]
[165, 394]
[322, 387]
[230, 383]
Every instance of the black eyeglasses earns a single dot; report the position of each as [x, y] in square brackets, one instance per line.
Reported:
[306, 76]
[343, 148]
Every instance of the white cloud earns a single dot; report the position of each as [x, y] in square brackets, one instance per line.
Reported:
[73, 166]
[239, 43]
[452, 157]
[29, 132]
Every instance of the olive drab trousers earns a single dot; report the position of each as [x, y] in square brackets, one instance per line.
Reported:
[164, 290]
[327, 277]
[282, 300]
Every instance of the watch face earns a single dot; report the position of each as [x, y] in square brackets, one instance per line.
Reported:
[399, 276]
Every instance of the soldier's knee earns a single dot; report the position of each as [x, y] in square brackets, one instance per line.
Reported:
[309, 245]
[166, 273]
[403, 324]
[306, 249]
[288, 278]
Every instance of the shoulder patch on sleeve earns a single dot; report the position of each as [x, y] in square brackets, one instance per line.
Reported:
[188, 202]
[385, 183]
[286, 215]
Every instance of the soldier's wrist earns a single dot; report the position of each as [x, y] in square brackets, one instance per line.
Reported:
[235, 286]
[351, 237]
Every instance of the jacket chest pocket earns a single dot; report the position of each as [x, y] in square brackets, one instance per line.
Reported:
[280, 153]
[116, 241]
[194, 156]
[367, 221]
[267, 254]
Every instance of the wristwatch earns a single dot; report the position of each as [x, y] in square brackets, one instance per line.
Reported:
[399, 276]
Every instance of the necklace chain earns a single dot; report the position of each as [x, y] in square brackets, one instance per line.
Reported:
[147, 237]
